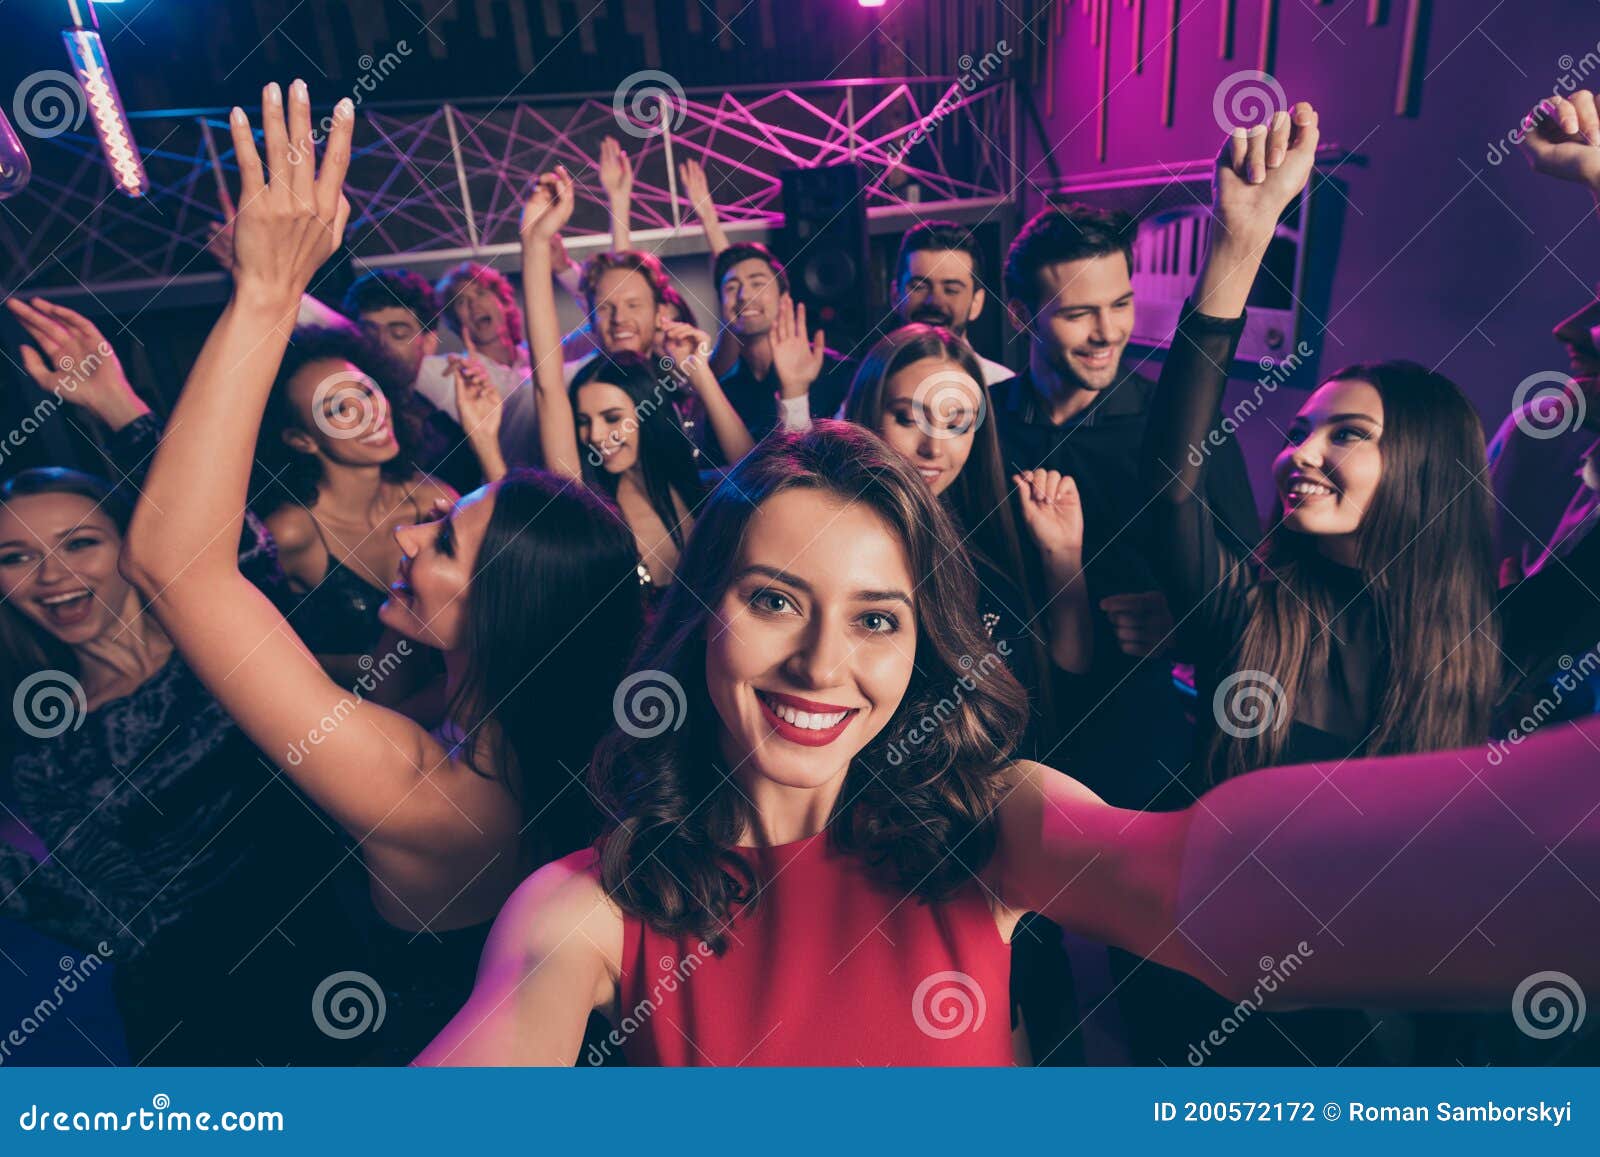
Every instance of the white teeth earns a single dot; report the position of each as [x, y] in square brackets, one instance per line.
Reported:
[810, 721]
[1309, 488]
[56, 600]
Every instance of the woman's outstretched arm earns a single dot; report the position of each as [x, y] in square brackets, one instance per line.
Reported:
[1428, 880]
[546, 212]
[367, 767]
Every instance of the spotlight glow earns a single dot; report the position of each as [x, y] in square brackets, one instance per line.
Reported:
[872, 3]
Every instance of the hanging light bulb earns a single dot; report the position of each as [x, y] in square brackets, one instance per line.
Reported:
[88, 57]
[14, 167]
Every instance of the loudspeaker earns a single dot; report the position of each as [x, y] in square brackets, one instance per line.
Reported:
[824, 247]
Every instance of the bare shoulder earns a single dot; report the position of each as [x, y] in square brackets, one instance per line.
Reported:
[1028, 784]
[562, 910]
[292, 528]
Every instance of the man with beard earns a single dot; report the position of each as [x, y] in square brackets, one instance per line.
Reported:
[1536, 457]
[753, 288]
[1079, 408]
[939, 280]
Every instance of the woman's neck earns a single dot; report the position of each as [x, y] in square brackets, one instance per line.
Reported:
[1340, 549]
[349, 493]
[125, 656]
[786, 815]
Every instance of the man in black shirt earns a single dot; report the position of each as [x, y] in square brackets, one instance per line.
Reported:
[1079, 407]
[752, 286]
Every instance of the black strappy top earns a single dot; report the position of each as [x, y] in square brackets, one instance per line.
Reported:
[339, 615]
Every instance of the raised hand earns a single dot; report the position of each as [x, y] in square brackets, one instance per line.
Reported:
[292, 212]
[549, 207]
[1051, 511]
[616, 170]
[1261, 170]
[77, 362]
[796, 360]
[478, 402]
[219, 243]
[684, 344]
[1562, 139]
[695, 187]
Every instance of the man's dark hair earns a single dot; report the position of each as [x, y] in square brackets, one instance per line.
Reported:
[1059, 234]
[939, 236]
[393, 289]
[748, 251]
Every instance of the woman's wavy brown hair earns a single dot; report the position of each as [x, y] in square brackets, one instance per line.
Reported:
[921, 818]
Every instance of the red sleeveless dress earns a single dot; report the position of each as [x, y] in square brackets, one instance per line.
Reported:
[831, 968]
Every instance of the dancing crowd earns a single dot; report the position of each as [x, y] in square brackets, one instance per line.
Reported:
[669, 692]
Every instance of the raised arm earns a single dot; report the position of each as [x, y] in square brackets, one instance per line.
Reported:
[549, 962]
[1052, 512]
[693, 176]
[1562, 139]
[1429, 880]
[75, 363]
[616, 174]
[1258, 174]
[361, 763]
[691, 350]
[547, 211]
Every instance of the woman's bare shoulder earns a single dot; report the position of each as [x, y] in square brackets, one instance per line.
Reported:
[563, 908]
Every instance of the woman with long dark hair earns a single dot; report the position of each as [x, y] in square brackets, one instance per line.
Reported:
[617, 428]
[336, 474]
[920, 389]
[449, 820]
[820, 849]
[1366, 626]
